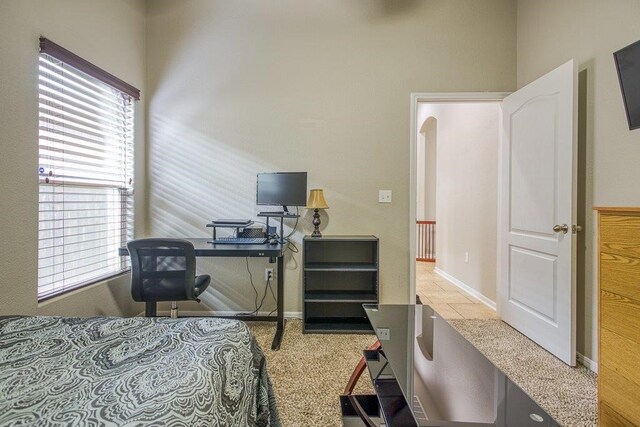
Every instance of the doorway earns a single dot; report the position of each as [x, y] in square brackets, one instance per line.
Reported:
[536, 214]
[453, 203]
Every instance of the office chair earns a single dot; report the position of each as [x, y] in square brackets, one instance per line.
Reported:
[164, 270]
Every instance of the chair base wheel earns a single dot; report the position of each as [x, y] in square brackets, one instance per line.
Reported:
[174, 310]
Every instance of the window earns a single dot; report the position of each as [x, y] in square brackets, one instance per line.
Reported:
[85, 171]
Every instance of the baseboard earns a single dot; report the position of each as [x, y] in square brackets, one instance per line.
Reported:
[208, 301]
[468, 289]
[588, 363]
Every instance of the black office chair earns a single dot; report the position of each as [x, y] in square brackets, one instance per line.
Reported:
[164, 270]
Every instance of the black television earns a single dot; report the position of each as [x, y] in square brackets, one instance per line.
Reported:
[282, 188]
[627, 62]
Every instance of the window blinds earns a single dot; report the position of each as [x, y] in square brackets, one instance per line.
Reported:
[85, 177]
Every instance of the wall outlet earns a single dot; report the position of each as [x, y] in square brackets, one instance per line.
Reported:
[384, 196]
[466, 257]
[384, 334]
[268, 274]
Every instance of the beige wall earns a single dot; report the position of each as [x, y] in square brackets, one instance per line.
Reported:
[589, 31]
[467, 142]
[109, 33]
[241, 87]
[246, 86]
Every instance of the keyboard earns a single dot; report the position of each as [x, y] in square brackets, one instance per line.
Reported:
[240, 241]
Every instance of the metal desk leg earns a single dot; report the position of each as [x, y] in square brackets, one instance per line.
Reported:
[150, 309]
[280, 311]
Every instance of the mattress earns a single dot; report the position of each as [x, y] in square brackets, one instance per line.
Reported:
[132, 371]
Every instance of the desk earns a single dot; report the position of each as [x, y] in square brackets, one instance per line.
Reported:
[204, 249]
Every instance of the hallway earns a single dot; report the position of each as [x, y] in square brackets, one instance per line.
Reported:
[446, 298]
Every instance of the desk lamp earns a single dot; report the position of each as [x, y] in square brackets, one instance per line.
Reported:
[316, 202]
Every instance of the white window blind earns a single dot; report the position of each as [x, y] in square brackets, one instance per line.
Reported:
[85, 177]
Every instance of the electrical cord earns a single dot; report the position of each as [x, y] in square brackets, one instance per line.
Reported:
[258, 306]
[255, 291]
[294, 225]
[292, 246]
[264, 295]
[274, 297]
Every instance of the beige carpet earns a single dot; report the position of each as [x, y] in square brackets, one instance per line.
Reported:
[570, 395]
[310, 371]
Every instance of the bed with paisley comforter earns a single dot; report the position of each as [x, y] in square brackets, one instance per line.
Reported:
[135, 371]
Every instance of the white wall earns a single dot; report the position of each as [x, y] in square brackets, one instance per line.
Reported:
[426, 171]
[589, 31]
[431, 155]
[109, 33]
[466, 190]
[323, 86]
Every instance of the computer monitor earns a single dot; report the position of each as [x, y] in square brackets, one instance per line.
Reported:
[628, 65]
[282, 188]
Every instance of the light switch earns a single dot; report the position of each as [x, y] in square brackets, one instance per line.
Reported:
[384, 196]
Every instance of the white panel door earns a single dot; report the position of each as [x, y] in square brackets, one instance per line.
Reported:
[536, 285]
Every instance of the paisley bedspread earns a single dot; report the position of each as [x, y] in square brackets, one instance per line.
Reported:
[59, 371]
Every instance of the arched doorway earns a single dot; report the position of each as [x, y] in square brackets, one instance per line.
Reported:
[426, 191]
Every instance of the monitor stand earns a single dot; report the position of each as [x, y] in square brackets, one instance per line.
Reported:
[284, 212]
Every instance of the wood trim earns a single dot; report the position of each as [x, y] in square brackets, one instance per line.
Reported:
[600, 406]
[68, 57]
[617, 209]
[426, 241]
[618, 314]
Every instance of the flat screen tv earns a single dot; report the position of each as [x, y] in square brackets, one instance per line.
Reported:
[628, 65]
[282, 188]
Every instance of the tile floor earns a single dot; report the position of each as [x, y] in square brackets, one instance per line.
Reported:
[446, 298]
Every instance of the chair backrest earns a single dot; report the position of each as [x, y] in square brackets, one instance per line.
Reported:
[162, 269]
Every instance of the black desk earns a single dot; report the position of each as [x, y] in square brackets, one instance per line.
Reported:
[204, 249]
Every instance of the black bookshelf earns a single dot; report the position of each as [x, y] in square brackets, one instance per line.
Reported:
[340, 274]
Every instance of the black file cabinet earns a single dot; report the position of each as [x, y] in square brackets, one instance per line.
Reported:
[340, 274]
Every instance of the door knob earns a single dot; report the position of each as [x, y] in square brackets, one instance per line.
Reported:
[558, 228]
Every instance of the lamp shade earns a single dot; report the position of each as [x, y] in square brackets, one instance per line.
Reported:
[316, 199]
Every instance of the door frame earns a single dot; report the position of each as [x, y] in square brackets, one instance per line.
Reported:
[417, 98]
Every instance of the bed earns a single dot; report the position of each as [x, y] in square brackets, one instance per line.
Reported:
[133, 371]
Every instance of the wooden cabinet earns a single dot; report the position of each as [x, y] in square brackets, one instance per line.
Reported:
[340, 274]
[619, 316]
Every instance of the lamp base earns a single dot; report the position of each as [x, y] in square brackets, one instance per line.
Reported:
[316, 224]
